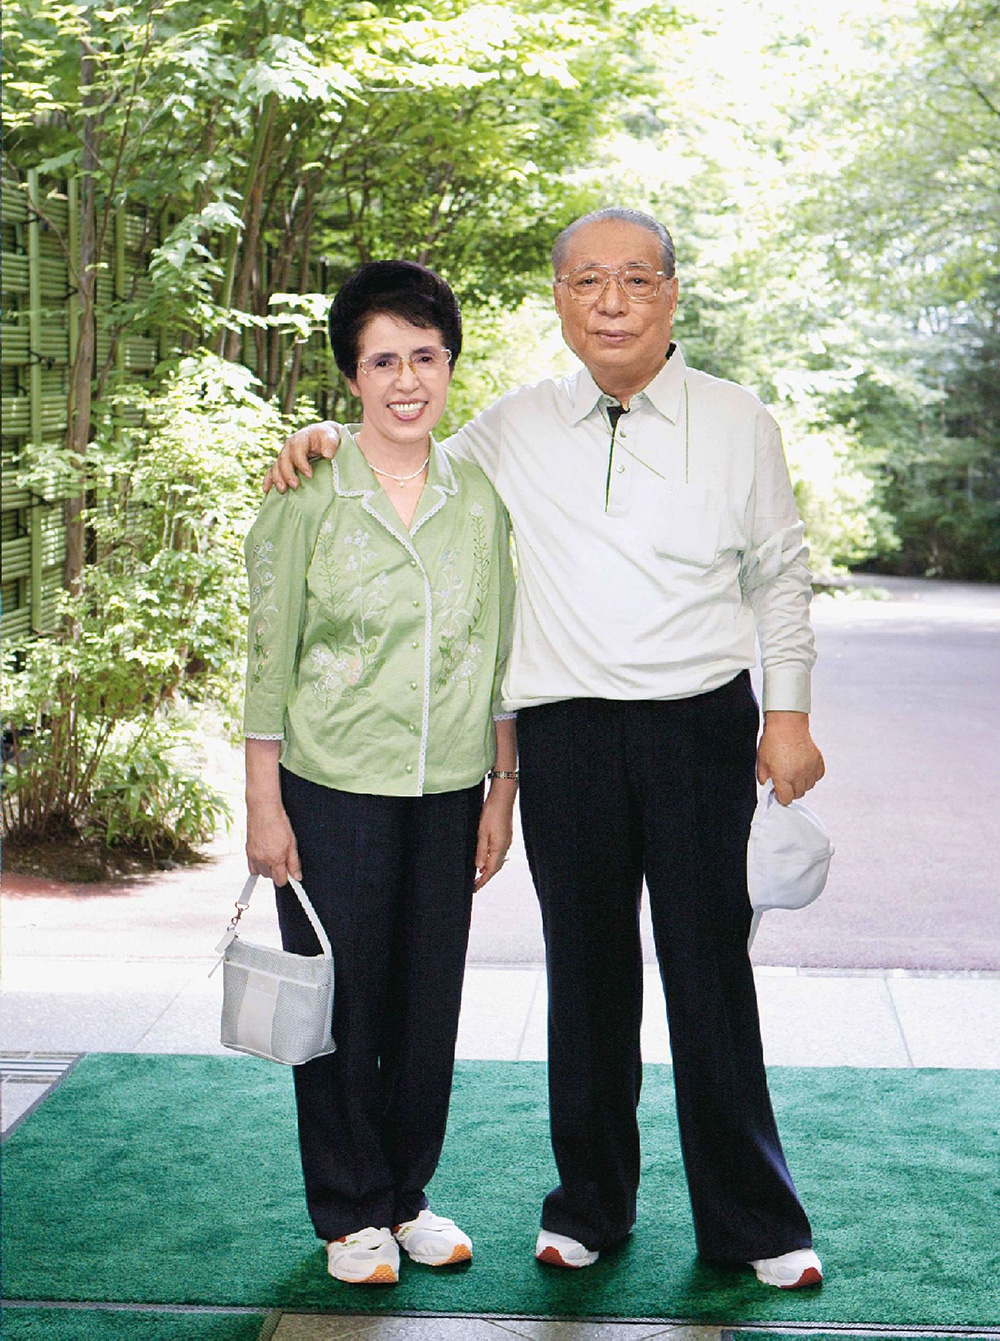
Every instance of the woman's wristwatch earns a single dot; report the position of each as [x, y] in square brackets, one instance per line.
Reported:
[502, 773]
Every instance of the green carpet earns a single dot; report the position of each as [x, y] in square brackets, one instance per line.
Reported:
[176, 1180]
[79, 1324]
[846, 1336]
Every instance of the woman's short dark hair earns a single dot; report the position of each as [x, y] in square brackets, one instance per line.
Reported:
[400, 289]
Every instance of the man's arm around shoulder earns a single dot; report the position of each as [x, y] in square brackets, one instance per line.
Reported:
[308, 444]
[477, 441]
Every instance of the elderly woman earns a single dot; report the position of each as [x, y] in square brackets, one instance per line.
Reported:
[381, 594]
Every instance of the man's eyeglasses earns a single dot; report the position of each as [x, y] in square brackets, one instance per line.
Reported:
[421, 362]
[588, 283]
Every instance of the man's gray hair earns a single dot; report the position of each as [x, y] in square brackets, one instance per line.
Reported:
[625, 216]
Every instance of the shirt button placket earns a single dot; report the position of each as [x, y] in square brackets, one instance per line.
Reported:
[419, 647]
[620, 481]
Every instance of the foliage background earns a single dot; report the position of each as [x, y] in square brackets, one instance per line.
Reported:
[829, 172]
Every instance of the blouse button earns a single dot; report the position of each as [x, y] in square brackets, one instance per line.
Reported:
[414, 685]
[620, 469]
[416, 605]
[409, 768]
[414, 645]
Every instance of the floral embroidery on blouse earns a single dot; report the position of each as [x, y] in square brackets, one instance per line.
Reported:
[345, 668]
[262, 607]
[459, 645]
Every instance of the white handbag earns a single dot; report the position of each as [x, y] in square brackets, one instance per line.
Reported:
[276, 1004]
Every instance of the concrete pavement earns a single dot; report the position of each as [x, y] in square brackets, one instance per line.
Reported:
[127, 970]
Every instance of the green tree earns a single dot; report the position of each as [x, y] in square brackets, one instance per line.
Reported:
[264, 137]
[253, 141]
[908, 223]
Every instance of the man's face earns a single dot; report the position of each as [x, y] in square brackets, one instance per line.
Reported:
[622, 343]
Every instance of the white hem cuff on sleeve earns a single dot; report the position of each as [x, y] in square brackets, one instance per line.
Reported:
[787, 689]
[262, 735]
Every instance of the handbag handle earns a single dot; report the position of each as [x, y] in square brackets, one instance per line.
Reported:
[243, 902]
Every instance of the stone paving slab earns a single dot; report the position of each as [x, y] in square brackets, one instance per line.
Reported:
[16, 1100]
[949, 1018]
[808, 1019]
[312, 1327]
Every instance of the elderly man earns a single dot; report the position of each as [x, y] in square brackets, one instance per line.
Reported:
[657, 540]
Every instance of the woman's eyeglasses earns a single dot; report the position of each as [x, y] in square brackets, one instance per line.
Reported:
[421, 362]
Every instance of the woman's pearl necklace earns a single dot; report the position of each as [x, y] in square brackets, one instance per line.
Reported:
[402, 480]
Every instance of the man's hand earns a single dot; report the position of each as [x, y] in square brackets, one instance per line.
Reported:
[787, 756]
[313, 441]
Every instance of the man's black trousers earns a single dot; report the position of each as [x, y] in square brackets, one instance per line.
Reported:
[612, 791]
[391, 880]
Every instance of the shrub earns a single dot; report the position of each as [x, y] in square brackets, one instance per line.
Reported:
[92, 725]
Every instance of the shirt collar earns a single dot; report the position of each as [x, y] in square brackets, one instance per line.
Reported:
[664, 392]
[354, 476]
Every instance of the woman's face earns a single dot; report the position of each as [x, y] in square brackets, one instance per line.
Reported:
[402, 381]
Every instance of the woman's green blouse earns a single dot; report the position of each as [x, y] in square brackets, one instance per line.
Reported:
[376, 653]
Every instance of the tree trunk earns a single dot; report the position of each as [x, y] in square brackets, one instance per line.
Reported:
[292, 383]
[82, 371]
[235, 284]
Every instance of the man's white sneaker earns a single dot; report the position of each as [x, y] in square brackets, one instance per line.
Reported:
[433, 1240]
[558, 1250]
[368, 1257]
[790, 1271]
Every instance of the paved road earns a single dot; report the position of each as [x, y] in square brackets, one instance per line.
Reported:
[907, 712]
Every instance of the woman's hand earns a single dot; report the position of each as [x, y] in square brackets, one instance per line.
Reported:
[496, 829]
[271, 846]
[496, 823]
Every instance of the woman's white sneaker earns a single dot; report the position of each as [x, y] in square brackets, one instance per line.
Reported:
[368, 1257]
[558, 1250]
[790, 1271]
[433, 1240]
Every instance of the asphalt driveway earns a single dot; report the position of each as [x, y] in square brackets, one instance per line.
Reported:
[907, 713]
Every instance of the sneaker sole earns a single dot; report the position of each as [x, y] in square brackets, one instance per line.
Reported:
[382, 1275]
[552, 1257]
[809, 1277]
[460, 1253]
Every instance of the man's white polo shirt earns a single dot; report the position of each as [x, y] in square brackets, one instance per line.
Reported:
[651, 558]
